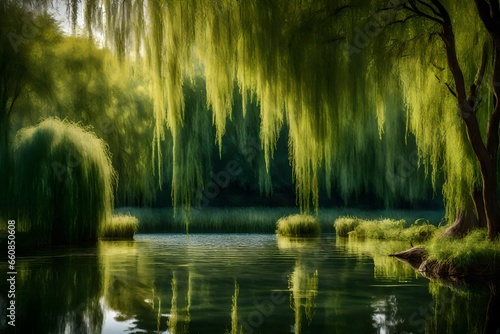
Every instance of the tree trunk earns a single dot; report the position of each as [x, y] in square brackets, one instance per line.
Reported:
[471, 216]
[486, 153]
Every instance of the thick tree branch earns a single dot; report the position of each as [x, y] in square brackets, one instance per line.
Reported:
[484, 10]
[466, 109]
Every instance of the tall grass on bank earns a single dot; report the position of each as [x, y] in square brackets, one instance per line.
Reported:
[474, 253]
[64, 183]
[344, 225]
[121, 227]
[384, 229]
[298, 226]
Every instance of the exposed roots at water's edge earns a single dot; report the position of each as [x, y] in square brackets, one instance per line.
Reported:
[447, 272]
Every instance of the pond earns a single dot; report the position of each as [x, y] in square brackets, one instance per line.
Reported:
[234, 283]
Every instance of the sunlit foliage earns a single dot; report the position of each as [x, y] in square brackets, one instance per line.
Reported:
[64, 181]
[288, 58]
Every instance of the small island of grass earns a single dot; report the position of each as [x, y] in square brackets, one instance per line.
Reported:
[300, 225]
[122, 227]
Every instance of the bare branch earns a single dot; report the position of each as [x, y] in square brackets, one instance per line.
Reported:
[414, 9]
[401, 21]
[451, 90]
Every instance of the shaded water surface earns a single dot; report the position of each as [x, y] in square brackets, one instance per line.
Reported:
[234, 284]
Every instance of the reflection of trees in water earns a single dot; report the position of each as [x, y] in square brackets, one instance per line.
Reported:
[236, 328]
[385, 267]
[385, 314]
[303, 281]
[58, 295]
[180, 314]
[303, 286]
[456, 310]
[138, 291]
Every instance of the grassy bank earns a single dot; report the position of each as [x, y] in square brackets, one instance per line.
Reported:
[249, 220]
[474, 254]
[462, 260]
[385, 229]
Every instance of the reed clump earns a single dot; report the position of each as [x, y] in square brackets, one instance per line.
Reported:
[299, 225]
[121, 227]
[344, 225]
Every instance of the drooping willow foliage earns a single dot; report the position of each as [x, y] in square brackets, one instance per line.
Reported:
[418, 62]
[336, 76]
[64, 181]
[288, 57]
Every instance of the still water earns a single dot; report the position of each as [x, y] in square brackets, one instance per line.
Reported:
[241, 283]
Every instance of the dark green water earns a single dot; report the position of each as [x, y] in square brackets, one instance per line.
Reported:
[233, 284]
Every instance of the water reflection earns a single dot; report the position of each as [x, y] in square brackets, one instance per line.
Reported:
[385, 268]
[56, 293]
[385, 314]
[303, 281]
[238, 284]
[455, 308]
[180, 315]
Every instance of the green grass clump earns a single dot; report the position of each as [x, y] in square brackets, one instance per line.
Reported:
[121, 227]
[385, 229]
[344, 225]
[418, 232]
[473, 253]
[298, 226]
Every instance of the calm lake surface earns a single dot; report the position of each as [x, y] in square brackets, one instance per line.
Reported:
[237, 283]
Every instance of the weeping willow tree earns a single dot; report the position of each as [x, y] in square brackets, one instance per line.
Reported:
[272, 54]
[321, 69]
[446, 60]
[64, 181]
